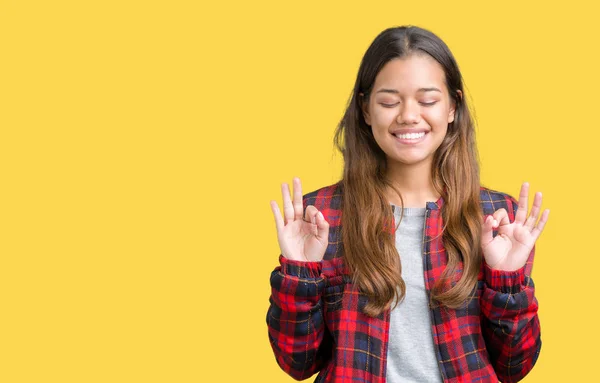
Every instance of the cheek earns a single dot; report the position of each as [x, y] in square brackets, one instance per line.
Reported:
[378, 134]
[381, 135]
[384, 116]
[436, 117]
[385, 119]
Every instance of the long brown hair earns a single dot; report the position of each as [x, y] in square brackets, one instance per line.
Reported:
[369, 249]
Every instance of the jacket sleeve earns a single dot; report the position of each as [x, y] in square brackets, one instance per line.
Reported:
[297, 332]
[510, 323]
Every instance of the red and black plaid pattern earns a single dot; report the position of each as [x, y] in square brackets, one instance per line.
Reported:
[315, 320]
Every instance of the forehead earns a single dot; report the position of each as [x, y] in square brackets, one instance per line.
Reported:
[410, 74]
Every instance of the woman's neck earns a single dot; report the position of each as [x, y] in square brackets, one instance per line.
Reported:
[414, 183]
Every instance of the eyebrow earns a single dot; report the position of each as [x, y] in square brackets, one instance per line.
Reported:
[394, 91]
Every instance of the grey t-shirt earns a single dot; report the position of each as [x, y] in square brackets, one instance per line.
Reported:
[411, 354]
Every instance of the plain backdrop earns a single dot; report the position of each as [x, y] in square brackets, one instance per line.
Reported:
[141, 142]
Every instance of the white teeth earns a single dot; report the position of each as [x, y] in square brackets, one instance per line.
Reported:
[410, 136]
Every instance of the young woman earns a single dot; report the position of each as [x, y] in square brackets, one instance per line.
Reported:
[406, 270]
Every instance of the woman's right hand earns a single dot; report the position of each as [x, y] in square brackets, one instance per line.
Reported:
[300, 239]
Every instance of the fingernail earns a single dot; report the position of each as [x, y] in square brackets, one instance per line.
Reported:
[313, 220]
[495, 223]
[321, 215]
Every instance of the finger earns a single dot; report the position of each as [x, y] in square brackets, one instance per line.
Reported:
[288, 208]
[311, 213]
[500, 218]
[322, 227]
[311, 216]
[277, 214]
[537, 231]
[486, 230]
[298, 209]
[523, 202]
[535, 211]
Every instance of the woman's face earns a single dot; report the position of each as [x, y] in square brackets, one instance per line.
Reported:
[409, 109]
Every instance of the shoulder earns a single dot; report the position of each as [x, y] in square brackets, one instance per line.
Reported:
[492, 200]
[326, 197]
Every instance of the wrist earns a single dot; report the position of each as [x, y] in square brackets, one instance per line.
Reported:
[504, 264]
[301, 269]
[507, 281]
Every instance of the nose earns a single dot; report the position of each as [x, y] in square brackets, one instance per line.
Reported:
[410, 113]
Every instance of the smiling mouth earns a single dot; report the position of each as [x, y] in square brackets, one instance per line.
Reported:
[410, 136]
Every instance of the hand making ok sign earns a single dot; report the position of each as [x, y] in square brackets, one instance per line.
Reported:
[300, 239]
[510, 249]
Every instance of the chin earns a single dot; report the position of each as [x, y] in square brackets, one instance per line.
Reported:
[409, 160]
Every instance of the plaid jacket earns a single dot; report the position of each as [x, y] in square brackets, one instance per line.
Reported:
[315, 320]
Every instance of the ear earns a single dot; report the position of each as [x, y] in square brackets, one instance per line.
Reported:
[365, 108]
[453, 107]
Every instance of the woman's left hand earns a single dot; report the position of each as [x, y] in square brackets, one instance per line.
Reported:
[510, 249]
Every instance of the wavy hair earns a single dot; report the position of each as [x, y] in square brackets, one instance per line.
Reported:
[369, 249]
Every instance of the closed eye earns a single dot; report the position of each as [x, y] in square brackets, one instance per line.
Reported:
[396, 104]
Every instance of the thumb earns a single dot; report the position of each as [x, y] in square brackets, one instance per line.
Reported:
[487, 230]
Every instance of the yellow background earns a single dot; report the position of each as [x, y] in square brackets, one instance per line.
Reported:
[141, 142]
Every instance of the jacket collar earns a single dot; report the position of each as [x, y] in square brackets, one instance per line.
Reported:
[437, 205]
